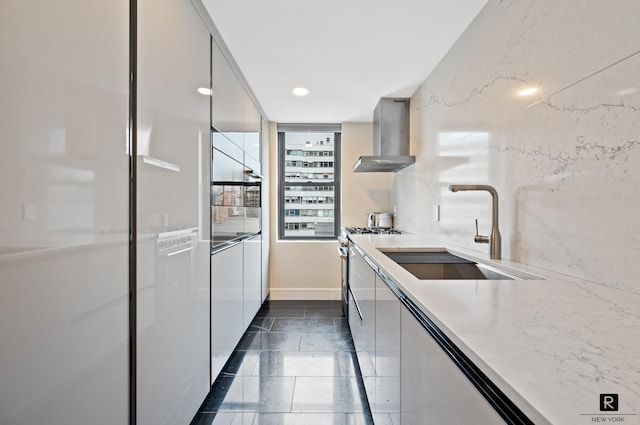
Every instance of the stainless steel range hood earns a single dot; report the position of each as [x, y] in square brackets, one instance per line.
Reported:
[390, 138]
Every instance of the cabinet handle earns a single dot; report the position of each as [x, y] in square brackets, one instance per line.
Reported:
[225, 246]
[355, 302]
[254, 174]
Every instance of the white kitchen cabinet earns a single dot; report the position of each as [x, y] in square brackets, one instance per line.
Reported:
[434, 390]
[172, 127]
[70, 343]
[226, 305]
[236, 297]
[252, 280]
[64, 310]
[237, 272]
[233, 112]
[362, 316]
[398, 356]
[227, 112]
[387, 351]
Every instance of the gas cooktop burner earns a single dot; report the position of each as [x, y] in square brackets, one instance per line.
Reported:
[376, 230]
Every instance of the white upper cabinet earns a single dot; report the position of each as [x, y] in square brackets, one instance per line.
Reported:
[228, 97]
[233, 114]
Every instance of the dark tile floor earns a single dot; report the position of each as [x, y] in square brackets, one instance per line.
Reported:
[295, 365]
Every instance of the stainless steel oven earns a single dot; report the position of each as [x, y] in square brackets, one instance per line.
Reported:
[227, 198]
[343, 251]
[236, 196]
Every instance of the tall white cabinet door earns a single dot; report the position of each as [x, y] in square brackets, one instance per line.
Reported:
[434, 390]
[64, 212]
[252, 278]
[226, 305]
[173, 137]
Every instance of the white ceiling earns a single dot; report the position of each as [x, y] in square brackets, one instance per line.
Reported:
[348, 53]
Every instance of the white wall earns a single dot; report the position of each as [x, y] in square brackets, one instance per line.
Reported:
[298, 270]
[361, 192]
[565, 161]
[311, 269]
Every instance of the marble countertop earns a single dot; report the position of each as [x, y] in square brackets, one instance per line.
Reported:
[553, 344]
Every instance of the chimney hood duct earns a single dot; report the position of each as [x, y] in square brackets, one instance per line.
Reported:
[390, 138]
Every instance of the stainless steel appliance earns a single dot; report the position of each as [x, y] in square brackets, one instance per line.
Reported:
[390, 138]
[368, 230]
[382, 220]
[343, 252]
[235, 201]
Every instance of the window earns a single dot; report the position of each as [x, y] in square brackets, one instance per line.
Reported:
[309, 181]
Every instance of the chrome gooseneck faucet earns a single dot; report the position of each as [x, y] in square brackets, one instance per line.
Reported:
[494, 240]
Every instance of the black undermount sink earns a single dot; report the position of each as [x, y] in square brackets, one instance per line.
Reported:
[440, 265]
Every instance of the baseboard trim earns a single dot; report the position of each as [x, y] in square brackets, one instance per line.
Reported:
[304, 294]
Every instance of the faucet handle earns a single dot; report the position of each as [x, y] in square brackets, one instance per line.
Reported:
[479, 238]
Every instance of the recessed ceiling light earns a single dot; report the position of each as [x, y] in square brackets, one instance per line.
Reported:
[300, 91]
[205, 91]
[528, 91]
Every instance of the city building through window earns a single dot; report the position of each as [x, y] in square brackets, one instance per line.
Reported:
[309, 181]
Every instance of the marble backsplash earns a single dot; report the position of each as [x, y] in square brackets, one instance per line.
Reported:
[565, 160]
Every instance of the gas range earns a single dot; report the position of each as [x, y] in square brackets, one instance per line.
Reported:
[343, 251]
[370, 230]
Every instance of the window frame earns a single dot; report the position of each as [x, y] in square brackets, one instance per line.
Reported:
[282, 183]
